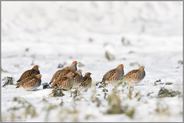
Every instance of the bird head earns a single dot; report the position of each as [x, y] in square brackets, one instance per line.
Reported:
[141, 68]
[120, 66]
[74, 62]
[88, 74]
[74, 65]
[35, 67]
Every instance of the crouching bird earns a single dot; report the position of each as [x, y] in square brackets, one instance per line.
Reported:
[87, 80]
[28, 73]
[78, 78]
[113, 75]
[64, 82]
[64, 72]
[31, 82]
[135, 76]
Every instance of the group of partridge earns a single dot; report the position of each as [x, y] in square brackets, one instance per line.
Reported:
[70, 77]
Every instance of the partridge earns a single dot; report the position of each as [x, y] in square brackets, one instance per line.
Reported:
[77, 78]
[31, 82]
[134, 76]
[87, 80]
[65, 71]
[33, 71]
[114, 74]
[65, 83]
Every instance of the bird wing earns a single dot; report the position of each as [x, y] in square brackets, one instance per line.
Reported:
[20, 83]
[55, 76]
[31, 82]
[108, 75]
[86, 81]
[65, 83]
[77, 77]
[131, 74]
[25, 75]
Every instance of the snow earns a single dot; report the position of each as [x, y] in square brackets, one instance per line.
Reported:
[60, 32]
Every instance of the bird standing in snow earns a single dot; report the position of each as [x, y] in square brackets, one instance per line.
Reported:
[65, 71]
[134, 76]
[28, 73]
[65, 83]
[114, 74]
[87, 80]
[77, 78]
[31, 82]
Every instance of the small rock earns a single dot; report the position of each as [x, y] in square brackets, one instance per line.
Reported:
[57, 92]
[131, 52]
[45, 85]
[158, 82]
[180, 62]
[134, 64]
[105, 90]
[7, 81]
[60, 65]
[16, 65]
[163, 92]
[130, 112]
[90, 40]
[27, 50]
[148, 94]
[5, 71]
[168, 83]
[61, 103]
[125, 42]
[109, 56]
[123, 58]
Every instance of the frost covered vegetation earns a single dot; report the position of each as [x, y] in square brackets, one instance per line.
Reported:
[100, 35]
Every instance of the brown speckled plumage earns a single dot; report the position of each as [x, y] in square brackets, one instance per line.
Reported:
[31, 82]
[135, 76]
[114, 74]
[65, 71]
[65, 83]
[87, 80]
[77, 78]
[27, 73]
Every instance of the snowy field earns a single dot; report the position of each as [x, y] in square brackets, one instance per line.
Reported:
[53, 33]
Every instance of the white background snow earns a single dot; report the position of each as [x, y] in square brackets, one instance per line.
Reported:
[60, 32]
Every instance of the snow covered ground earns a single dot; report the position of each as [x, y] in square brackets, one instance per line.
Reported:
[52, 33]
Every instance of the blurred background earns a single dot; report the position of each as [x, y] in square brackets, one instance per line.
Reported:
[76, 18]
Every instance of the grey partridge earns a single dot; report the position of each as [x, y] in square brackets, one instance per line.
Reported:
[65, 71]
[87, 80]
[77, 78]
[27, 73]
[134, 76]
[31, 82]
[114, 74]
[65, 83]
